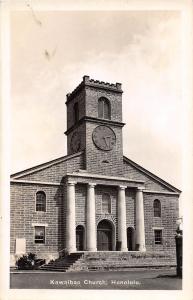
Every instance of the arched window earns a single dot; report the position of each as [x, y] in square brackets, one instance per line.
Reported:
[76, 112]
[104, 109]
[106, 204]
[40, 201]
[157, 208]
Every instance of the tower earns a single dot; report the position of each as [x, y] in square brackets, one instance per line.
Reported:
[94, 125]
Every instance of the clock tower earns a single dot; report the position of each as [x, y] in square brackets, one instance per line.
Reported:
[94, 125]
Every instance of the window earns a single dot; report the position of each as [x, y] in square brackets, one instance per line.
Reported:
[76, 112]
[40, 235]
[158, 236]
[40, 201]
[104, 110]
[157, 208]
[106, 204]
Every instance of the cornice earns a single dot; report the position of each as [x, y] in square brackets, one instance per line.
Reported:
[94, 120]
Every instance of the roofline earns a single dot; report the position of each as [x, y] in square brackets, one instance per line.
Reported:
[151, 174]
[45, 165]
[67, 157]
[87, 81]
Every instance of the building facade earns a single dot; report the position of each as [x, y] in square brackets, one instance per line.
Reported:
[93, 199]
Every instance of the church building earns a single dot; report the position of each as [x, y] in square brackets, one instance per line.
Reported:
[94, 198]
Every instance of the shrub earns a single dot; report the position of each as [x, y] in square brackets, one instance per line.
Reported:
[25, 262]
[29, 262]
[31, 256]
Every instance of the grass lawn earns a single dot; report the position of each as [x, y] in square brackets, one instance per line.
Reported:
[135, 280]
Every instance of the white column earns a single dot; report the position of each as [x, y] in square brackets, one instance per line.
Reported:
[70, 218]
[90, 219]
[122, 228]
[140, 228]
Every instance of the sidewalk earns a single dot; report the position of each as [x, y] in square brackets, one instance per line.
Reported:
[136, 280]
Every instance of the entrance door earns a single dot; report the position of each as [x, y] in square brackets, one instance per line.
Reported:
[104, 236]
[130, 239]
[79, 238]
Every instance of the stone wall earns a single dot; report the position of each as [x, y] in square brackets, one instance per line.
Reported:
[167, 221]
[92, 96]
[24, 216]
[80, 99]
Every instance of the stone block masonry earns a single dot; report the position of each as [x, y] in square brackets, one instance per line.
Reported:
[166, 223]
[24, 216]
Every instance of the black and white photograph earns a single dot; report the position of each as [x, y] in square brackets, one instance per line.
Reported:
[97, 168]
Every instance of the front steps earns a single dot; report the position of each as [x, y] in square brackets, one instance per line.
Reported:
[62, 264]
[110, 261]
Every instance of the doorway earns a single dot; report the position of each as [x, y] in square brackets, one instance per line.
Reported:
[104, 236]
[79, 238]
[130, 239]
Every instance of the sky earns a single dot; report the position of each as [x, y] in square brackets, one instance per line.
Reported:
[52, 51]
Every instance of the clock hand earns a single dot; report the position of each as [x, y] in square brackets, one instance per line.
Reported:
[107, 140]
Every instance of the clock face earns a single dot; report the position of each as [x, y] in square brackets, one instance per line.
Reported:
[104, 137]
[75, 142]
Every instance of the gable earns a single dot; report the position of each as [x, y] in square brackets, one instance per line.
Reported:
[152, 182]
[52, 171]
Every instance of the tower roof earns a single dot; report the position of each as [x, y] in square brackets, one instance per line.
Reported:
[115, 87]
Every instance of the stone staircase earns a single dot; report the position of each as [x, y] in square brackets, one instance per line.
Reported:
[110, 261]
[62, 264]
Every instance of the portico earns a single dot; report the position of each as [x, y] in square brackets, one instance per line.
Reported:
[121, 184]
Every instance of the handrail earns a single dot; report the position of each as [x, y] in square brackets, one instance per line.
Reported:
[61, 250]
[40, 259]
